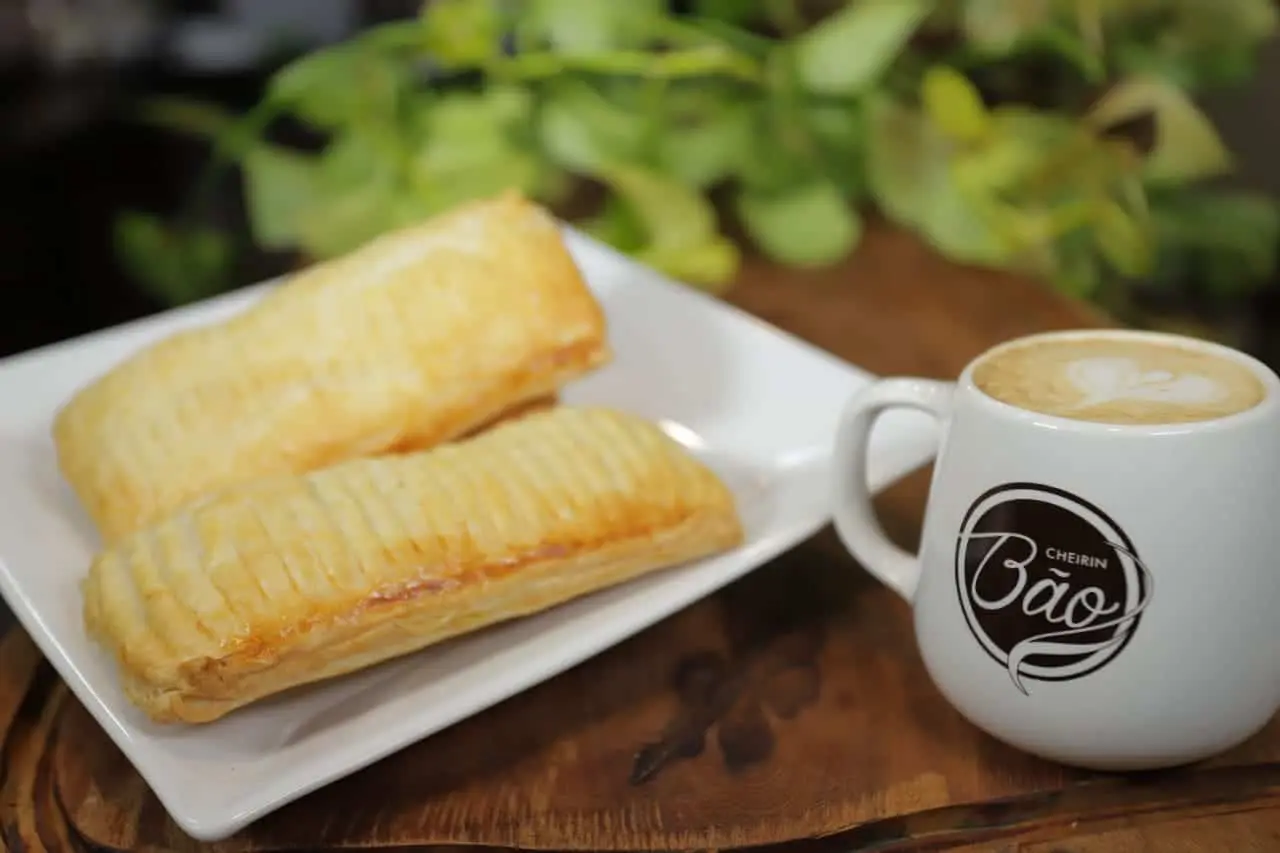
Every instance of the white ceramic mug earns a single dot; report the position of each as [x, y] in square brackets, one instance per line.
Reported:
[1104, 596]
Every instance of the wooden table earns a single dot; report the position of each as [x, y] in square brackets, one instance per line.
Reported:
[790, 710]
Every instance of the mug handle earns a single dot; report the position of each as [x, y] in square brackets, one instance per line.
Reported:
[854, 516]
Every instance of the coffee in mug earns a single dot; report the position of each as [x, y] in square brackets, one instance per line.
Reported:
[1105, 379]
[1097, 581]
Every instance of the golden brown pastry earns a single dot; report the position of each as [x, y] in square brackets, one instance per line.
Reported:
[287, 580]
[514, 413]
[417, 338]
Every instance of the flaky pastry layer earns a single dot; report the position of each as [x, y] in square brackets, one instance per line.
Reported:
[417, 338]
[288, 580]
[513, 413]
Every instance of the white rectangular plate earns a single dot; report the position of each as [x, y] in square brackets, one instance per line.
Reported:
[758, 404]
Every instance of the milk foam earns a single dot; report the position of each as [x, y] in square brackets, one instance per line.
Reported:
[1108, 379]
[1119, 379]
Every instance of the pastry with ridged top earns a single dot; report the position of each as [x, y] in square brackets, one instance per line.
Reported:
[288, 580]
[419, 337]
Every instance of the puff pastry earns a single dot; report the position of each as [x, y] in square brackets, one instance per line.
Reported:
[288, 580]
[419, 337]
[516, 412]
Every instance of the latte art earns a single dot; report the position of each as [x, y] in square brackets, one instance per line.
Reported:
[1118, 379]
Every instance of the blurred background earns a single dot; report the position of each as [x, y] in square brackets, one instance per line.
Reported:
[1121, 151]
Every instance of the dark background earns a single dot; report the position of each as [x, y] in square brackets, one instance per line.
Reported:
[71, 156]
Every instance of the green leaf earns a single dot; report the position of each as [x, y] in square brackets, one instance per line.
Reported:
[467, 131]
[403, 36]
[736, 12]
[709, 265]
[348, 220]
[727, 30]
[361, 155]
[1069, 30]
[438, 190]
[770, 166]
[671, 213]
[681, 234]
[340, 85]
[1089, 20]
[839, 125]
[907, 158]
[790, 140]
[510, 106]
[954, 104]
[368, 182]
[143, 247]
[280, 186]
[808, 226]
[360, 189]
[997, 25]
[708, 144]
[582, 131]
[462, 33]
[850, 50]
[838, 131]
[708, 60]
[499, 109]
[1187, 148]
[617, 225]
[910, 176]
[576, 27]
[176, 266]
[963, 230]
[1076, 268]
[1001, 165]
[1126, 245]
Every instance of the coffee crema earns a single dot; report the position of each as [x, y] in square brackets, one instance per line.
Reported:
[1118, 380]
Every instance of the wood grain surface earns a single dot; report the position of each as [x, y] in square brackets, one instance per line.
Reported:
[790, 711]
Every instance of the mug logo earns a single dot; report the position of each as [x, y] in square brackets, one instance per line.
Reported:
[1050, 586]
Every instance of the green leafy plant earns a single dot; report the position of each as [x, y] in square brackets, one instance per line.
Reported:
[1058, 138]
